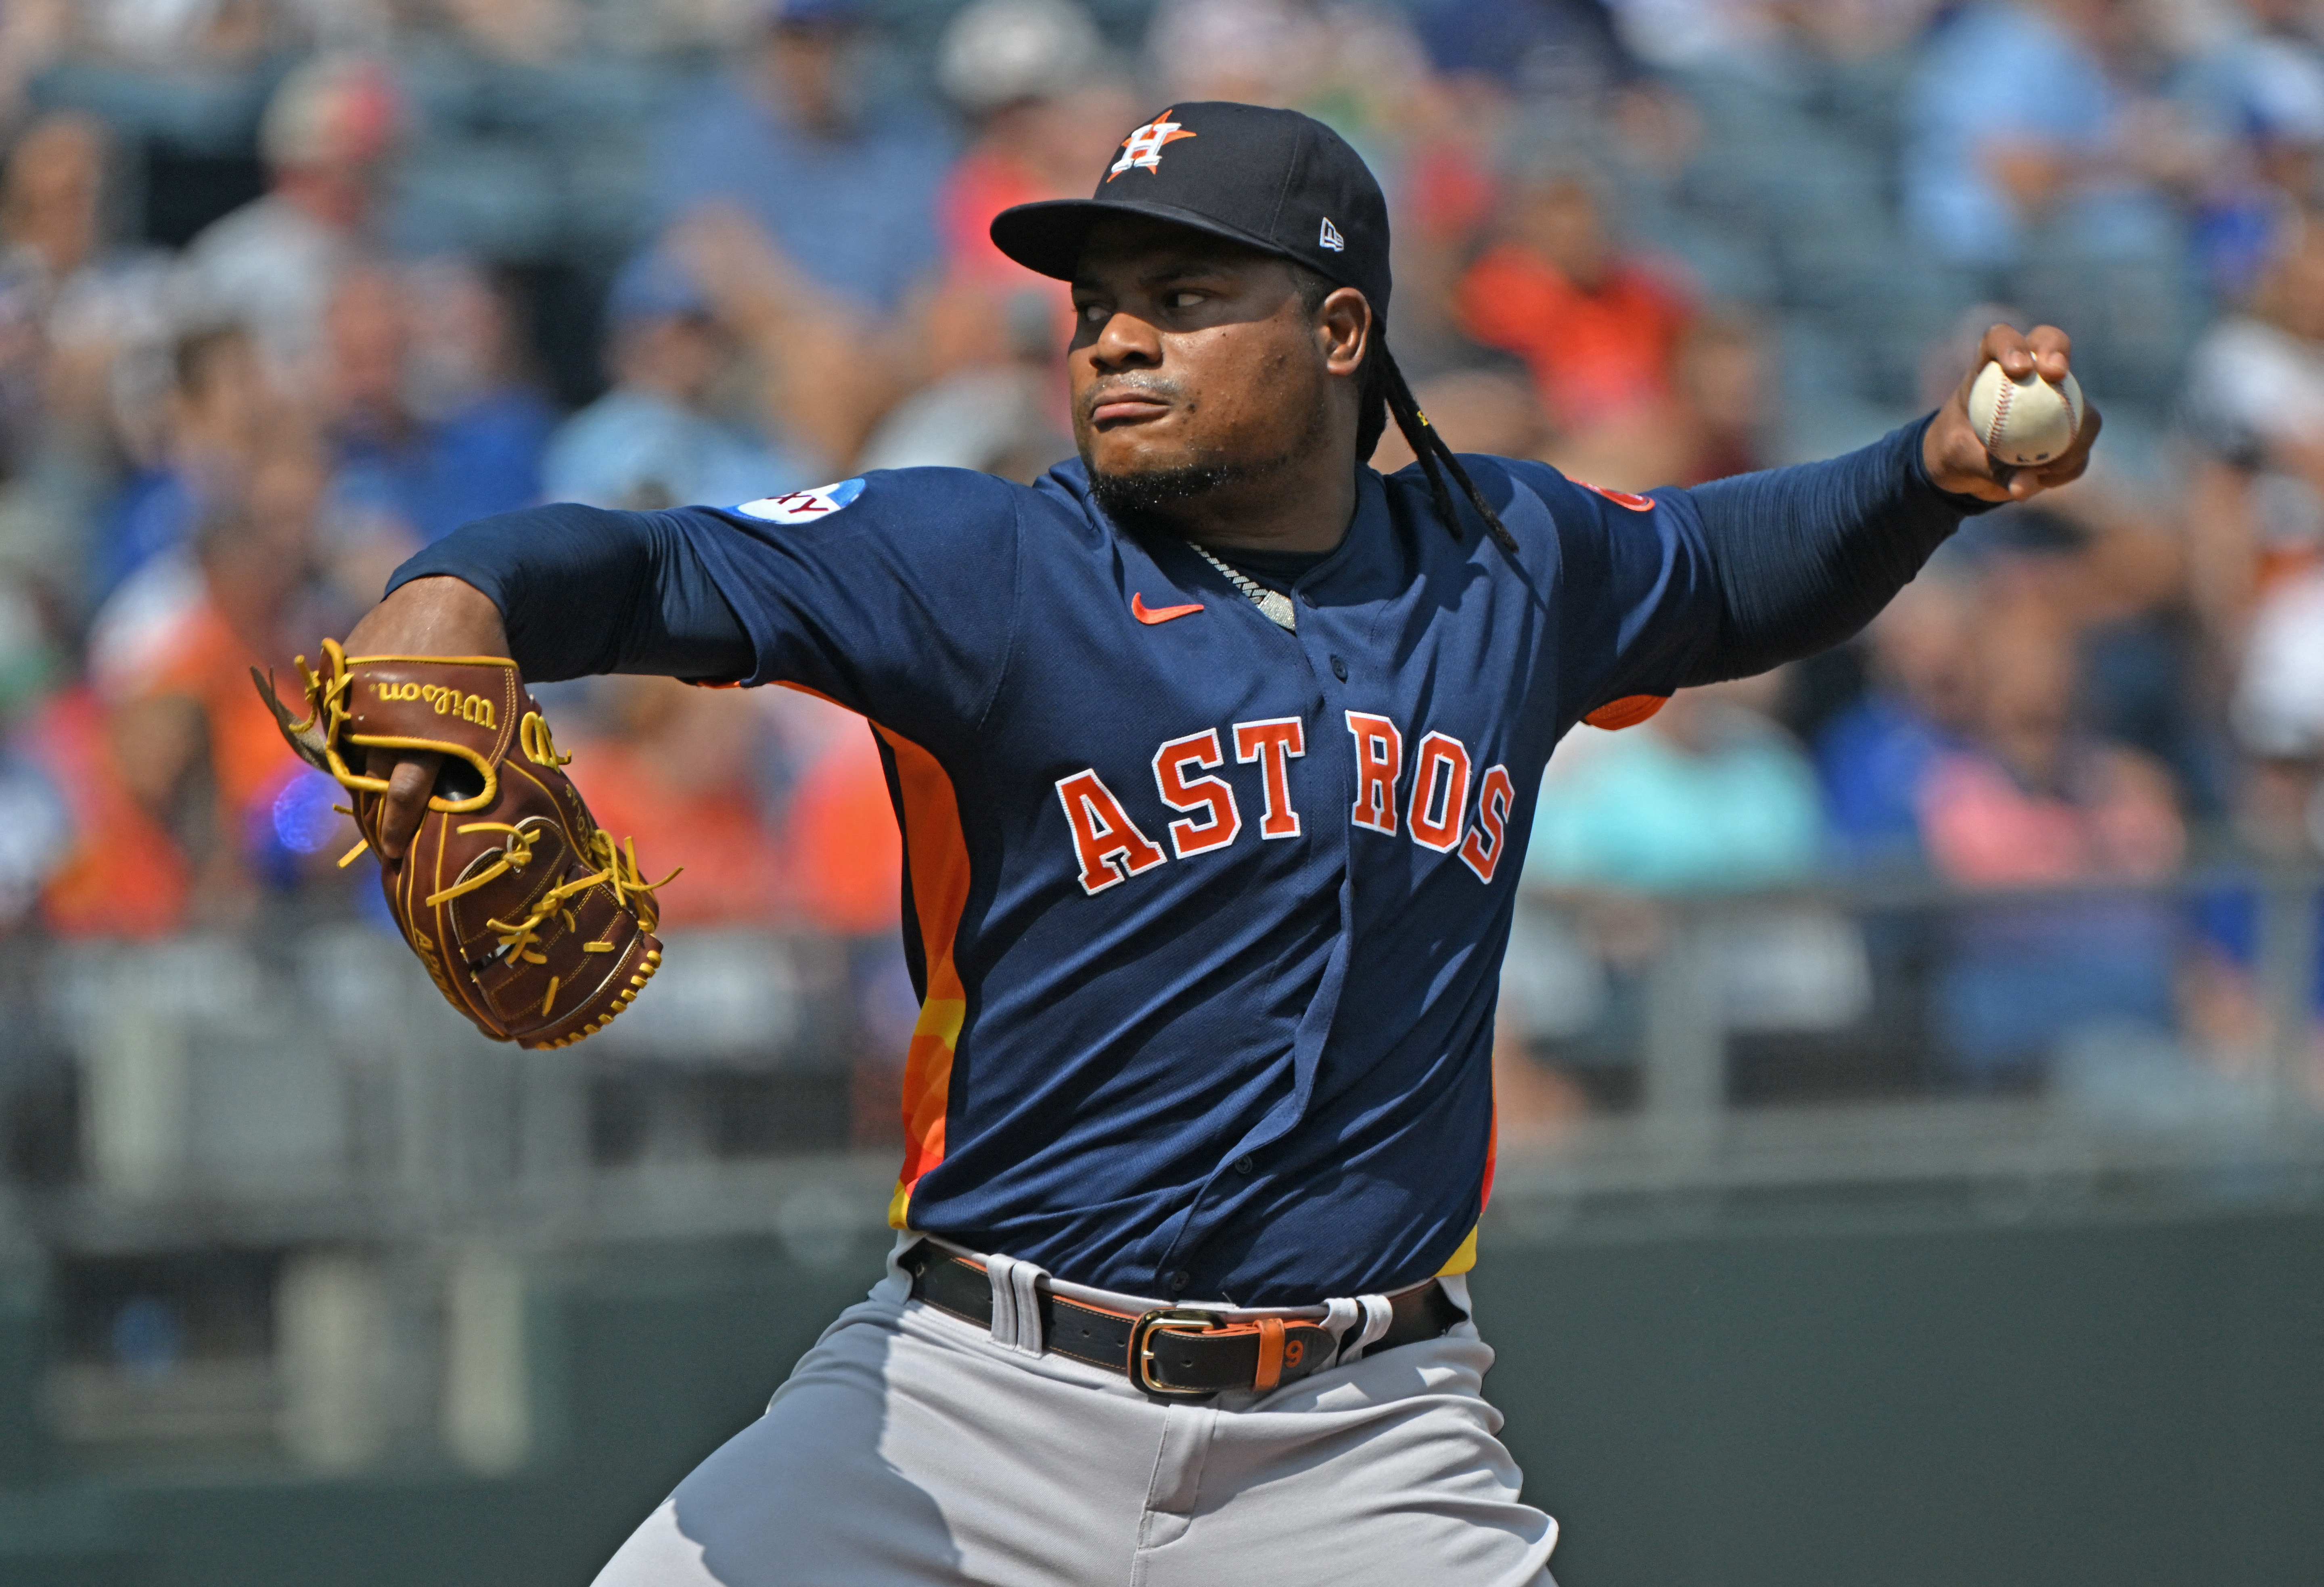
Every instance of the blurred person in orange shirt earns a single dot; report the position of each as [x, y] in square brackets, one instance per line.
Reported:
[1599, 329]
[124, 872]
[1024, 73]
[846, 870]
[1028, 75]
[676, 768]
[847, 854]
[179, 735]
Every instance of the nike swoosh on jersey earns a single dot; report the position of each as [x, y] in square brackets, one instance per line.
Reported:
[1146, 614]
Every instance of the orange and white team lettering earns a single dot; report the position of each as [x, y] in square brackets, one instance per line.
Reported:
[1113, 850]
[1379, 760]
[1437, 815]
[1440, 793]
[1274, 743]
[1481, 851]
[1218, 827]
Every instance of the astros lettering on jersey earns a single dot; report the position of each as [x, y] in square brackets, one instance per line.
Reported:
[1152, 838]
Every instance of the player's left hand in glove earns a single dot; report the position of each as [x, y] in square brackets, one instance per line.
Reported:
[532, 922]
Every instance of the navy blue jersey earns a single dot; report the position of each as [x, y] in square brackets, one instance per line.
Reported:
[1207, 916]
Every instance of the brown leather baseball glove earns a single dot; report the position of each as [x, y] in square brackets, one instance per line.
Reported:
[533, 923]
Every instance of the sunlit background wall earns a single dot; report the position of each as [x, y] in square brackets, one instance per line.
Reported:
[1910, 1168]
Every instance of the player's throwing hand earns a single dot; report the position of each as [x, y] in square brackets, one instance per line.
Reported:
[1956, 455]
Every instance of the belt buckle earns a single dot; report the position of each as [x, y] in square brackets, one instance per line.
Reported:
[1173, 1320]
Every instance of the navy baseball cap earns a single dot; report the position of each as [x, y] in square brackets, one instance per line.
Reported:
[1272, 180]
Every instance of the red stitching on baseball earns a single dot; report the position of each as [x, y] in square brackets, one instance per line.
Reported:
[2000, 411]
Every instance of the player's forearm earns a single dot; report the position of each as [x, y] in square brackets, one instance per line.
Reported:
[584, 590]
[1805, 557]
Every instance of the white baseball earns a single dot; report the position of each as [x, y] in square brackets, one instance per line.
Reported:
[2024, 421]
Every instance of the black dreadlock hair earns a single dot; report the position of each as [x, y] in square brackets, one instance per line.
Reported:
[1428, 444]
[1381, 393]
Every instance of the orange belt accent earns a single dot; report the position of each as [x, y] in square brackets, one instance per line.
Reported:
[1270, 1369]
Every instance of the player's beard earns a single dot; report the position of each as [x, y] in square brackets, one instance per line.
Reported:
[1169, 501]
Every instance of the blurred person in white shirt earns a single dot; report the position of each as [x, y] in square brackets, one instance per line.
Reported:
[271, 265]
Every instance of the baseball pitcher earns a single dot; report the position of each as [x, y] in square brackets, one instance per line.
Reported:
[1215, 753]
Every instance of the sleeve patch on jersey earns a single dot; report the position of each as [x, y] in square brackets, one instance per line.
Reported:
[1630, 498]
[804, 507]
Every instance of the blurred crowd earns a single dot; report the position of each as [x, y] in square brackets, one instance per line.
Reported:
[288, 288]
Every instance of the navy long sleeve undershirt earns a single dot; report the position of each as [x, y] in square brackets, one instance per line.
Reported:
[1803, 557]
[1806, 556]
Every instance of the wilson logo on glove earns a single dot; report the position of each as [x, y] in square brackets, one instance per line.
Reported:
[445, 702]
[529, 920]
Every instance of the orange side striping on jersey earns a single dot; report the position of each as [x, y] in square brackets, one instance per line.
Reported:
[936, 852]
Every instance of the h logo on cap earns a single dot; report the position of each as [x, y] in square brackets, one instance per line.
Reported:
[1144, 146]
[1331, 237]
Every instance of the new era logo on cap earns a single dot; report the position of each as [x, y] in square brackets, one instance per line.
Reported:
[1272, 180]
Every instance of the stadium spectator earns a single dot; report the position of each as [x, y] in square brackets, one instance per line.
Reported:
[2034, 801]
[80, 314]
[1708, 797]
[403, 477]
[1025, 72]
[245, 597]
[467, 373]
[2256, 392]
[846, 861]
[1723, 380]
[219, 404]
[1708, 794]
[1599, 329]
[818, 297]
[167, 758]
[122, 871]
[676, 771]
[843, 182]
[2259, 97]
[270, 266]
[49, 216]
[1029, 77]
[2279, 719]
[2019, 118]
[652, 440]
[1875, 754]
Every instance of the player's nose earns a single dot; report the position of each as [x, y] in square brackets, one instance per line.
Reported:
[1126, 342]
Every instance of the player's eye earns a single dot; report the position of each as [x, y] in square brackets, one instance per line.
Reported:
[1185, 299]
[1094, 313]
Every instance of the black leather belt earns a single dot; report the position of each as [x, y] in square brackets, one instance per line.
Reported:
[1171, 1350]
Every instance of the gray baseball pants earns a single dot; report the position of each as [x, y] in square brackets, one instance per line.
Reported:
[910, 1449]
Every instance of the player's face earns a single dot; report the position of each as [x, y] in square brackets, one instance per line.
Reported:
[1191, 356]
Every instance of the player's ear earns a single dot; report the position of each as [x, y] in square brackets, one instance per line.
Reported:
[1343, 329]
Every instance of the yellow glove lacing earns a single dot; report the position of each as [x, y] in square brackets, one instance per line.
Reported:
[617, 868]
